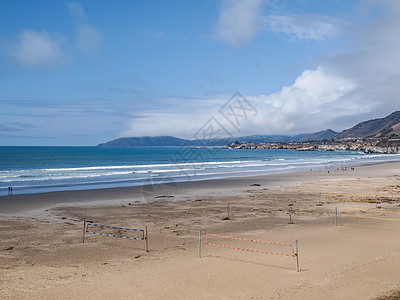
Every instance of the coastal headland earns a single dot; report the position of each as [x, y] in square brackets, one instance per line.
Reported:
[353, 254]
[372, 145]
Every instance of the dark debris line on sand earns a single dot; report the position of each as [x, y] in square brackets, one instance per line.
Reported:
[392, 295]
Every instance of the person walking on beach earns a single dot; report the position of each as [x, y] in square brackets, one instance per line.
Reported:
[9, 190]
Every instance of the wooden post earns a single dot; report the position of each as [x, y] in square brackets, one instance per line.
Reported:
[335, 216]
[199, 243]
[297, 255]
[84, 230]
[147, 240]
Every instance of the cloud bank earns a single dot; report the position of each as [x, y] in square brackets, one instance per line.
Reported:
[317, 96]
[347, 88]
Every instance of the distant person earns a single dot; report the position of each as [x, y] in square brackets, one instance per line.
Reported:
[9, 190]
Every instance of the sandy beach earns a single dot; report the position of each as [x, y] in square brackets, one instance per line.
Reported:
[42, 255]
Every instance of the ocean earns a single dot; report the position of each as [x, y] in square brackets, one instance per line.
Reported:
[46, 169]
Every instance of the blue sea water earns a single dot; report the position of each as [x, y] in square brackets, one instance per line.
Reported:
[45, 169]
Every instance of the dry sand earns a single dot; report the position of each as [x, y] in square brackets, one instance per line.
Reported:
[42, 255]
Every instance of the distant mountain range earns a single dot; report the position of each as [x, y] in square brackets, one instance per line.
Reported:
[377, 127]
[174, 141]
[318, 136]
[383, 126]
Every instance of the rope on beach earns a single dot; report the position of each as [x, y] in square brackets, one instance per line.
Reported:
[350, 198]
[293, 254]
[344, 213]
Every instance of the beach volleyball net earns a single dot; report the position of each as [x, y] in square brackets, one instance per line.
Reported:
[243, 244]
[115, 232]
[253, 246]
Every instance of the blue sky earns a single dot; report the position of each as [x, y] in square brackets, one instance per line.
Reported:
[81, 73]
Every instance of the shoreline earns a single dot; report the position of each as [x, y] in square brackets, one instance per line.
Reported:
[81, 177]
[23, 203]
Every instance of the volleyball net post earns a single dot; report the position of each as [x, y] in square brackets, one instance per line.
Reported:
[335, 216]
[84, 230]
[297, 255]
[147, 240]
[199, 244]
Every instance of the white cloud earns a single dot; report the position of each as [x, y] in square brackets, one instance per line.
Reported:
[88, 38]
[238, 20]
[303, 27]
[76, 10]
[316, 98]
[38, 49]
[41, 49]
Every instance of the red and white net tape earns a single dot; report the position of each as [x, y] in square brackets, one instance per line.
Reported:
[249, 240]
